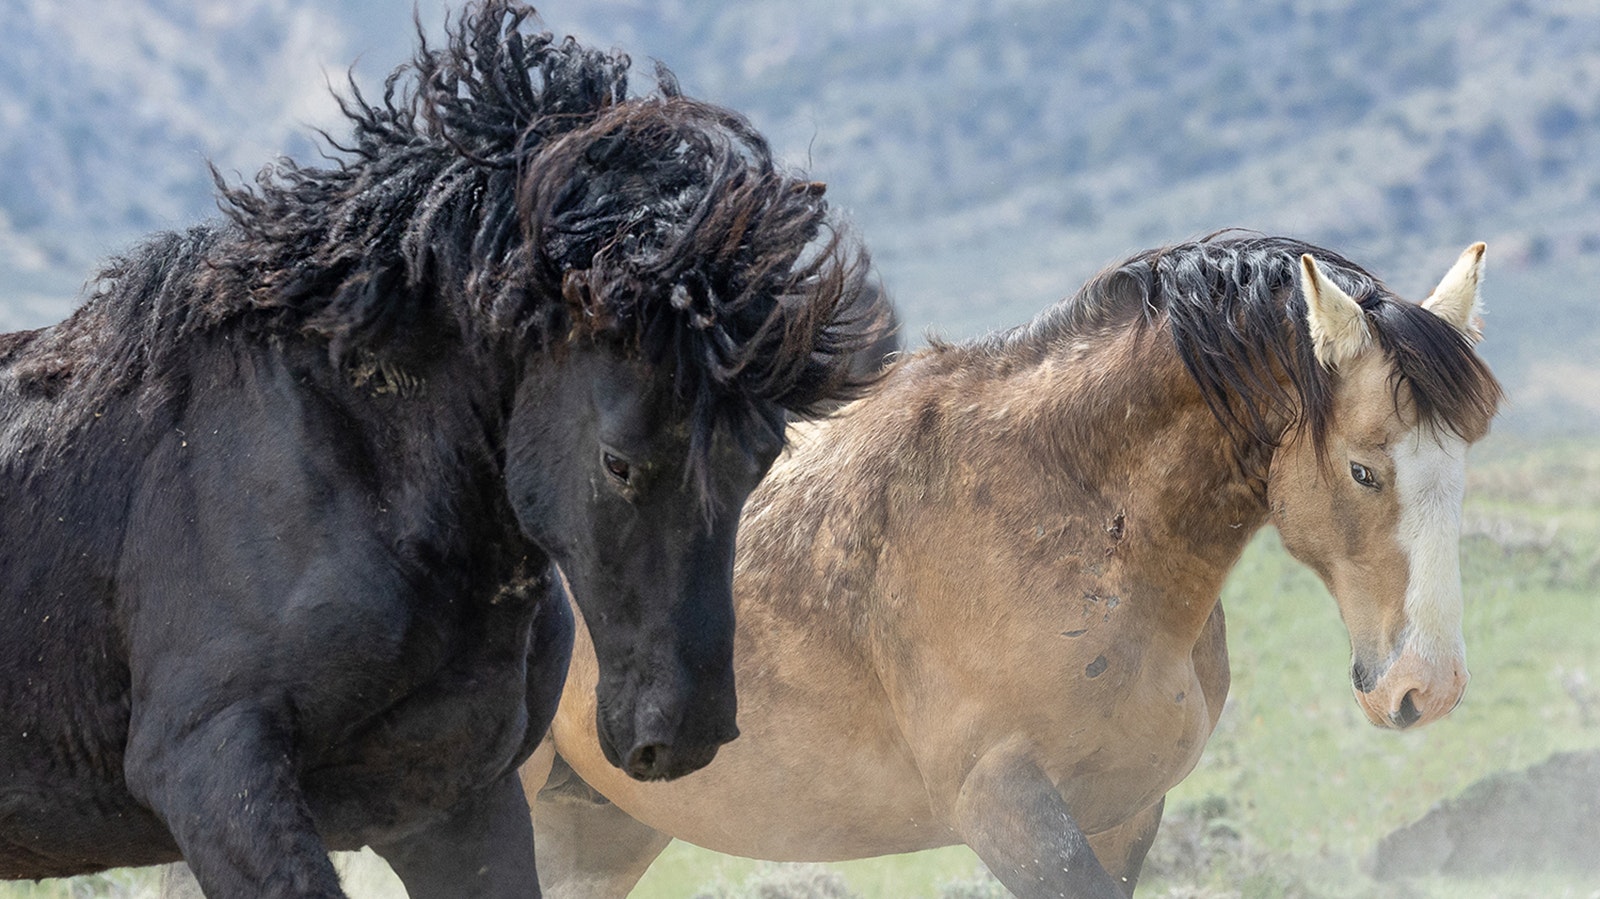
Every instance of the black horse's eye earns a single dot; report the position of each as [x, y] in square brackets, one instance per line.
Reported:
[1363, 475]
[617, 468]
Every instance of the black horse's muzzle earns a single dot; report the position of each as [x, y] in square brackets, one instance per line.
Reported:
[665, 733]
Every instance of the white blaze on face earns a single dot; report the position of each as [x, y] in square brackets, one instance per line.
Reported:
[1430, 476]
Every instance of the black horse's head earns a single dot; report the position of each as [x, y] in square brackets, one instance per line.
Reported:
[645, 296]
[601, 472]
[683, 296]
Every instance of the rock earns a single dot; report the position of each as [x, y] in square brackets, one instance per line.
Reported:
[1547, 817]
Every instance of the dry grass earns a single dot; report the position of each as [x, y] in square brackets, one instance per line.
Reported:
[773, 881]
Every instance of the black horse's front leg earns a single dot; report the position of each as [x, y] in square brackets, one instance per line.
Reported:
[227, 791]
[1010, 813]
[482, 849]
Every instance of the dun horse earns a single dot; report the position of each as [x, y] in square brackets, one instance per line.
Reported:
[981, 604]
[277, 503]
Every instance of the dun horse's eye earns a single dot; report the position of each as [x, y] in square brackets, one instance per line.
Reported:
[617, 468]
[1363, 475]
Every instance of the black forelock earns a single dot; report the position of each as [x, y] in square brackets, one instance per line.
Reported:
[517, 169]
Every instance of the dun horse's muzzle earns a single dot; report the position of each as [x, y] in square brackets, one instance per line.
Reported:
[1411, 691]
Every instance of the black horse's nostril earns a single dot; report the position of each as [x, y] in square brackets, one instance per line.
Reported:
[1408, 714]
[647, 762]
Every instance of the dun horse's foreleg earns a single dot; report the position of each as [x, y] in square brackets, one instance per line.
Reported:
[1121, 850]
[483, 849]
[588, 848]
[1009, 812]
[227, 791]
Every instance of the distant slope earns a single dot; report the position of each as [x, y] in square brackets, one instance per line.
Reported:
[997, 154]
[994, 154]
[1392, 130]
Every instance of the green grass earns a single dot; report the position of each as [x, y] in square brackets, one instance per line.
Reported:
[1301, 786]
[685, 870]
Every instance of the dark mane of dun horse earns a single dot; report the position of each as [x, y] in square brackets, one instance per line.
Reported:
[1238, 324]
[980, 604]
[277, 502]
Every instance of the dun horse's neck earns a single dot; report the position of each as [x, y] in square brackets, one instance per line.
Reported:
[1096, 459]
[1104, 452]
[1131, 434]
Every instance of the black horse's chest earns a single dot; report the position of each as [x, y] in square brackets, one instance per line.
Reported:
[459, 726]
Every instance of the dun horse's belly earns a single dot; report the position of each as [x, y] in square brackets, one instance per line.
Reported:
[853, 803]
[804, 781]
[823, 775]
[821, 791]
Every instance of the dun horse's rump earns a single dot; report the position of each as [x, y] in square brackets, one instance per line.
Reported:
[278, 503]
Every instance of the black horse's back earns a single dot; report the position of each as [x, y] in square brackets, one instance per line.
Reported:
[65, 696]
[279, 504]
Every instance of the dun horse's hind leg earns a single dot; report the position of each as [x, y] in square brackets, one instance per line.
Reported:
[1121, 850]
[588, 848]
[1009, 812]
[480, 850]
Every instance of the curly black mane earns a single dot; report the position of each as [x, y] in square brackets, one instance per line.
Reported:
[508, 186]
[1233, 308]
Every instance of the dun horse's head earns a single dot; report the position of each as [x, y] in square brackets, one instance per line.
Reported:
[1373, 504]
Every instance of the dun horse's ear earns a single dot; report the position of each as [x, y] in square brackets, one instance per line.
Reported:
[1338, 324]
[1456, 298]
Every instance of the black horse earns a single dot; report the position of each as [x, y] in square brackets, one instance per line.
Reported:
[278, 502]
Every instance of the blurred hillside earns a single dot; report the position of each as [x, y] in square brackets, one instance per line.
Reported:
[993, 154]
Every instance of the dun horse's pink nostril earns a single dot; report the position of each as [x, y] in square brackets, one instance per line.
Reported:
[1408, 714]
